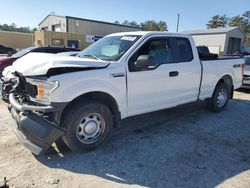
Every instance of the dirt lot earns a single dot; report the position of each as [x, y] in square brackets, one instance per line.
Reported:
[185, 146]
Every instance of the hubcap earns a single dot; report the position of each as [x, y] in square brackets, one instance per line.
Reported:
[90, 128]
[222, 98]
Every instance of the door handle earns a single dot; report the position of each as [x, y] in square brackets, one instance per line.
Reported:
[173, 73]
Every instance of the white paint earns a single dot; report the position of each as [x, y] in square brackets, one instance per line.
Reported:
[136, 92]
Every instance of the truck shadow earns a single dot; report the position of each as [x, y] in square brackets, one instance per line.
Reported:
[244, 90]
[185, 146]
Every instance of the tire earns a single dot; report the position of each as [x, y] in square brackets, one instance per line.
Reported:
[87, 125]
[220, 98]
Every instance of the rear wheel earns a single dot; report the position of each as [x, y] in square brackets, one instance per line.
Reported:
[220, 98]
[87, 124]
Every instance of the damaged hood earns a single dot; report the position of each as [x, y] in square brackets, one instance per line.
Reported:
[34, 64]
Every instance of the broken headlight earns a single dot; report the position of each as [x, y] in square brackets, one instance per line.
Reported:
[44, 90]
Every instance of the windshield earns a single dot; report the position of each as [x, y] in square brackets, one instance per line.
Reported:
[109, 48]
[21, 52]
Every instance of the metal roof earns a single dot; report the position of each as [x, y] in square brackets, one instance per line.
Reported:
[222, 30]
[50, 15]
[97, 21]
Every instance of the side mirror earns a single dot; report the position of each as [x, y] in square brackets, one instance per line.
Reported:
[143, 61]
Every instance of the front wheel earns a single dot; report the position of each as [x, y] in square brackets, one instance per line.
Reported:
[87, 124]
[220, 98]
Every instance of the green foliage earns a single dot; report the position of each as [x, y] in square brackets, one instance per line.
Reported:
[152, 25]
[13, 27]
[218, 21]
[242, 21]
[149, 25]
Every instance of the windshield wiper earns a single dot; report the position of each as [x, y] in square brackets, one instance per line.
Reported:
[92, 56]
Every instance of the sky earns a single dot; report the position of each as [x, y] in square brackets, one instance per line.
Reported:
[194, 14]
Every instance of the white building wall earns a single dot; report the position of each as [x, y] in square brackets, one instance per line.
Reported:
[236, 33]
[215, 42]
[51, 20]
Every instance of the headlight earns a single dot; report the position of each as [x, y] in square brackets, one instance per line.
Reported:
[44, 90]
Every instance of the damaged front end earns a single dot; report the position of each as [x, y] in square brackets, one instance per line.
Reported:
[6, 87]
[36, 125]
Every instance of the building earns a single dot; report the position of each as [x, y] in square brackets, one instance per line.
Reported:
[82, 26]
[220, 40]
[16, 40]
[75, 32]
[51, 38]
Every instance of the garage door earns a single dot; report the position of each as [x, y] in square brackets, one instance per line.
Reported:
[233, 45]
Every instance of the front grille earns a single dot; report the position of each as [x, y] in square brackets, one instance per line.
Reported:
[25, 87]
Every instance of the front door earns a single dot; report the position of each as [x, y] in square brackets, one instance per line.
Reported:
[171, 78]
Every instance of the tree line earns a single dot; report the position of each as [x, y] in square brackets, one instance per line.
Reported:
[13, 27]
[217, 21]
[150, 25]
[242, 21]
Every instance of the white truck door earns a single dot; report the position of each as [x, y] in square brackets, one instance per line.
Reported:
[162, 73]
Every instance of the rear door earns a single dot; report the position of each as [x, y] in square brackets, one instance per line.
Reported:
[172, 79]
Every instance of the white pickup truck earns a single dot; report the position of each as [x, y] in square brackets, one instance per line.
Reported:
[79, 99]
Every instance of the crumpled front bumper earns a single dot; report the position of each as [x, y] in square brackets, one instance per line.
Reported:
[34, 132]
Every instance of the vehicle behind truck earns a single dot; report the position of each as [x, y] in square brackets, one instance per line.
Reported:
[81, 99]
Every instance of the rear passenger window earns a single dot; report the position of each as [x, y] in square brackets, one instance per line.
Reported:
[185, 53]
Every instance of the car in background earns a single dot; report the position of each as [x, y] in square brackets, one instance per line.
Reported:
[6, 50]
[246, 77]
[7, 61]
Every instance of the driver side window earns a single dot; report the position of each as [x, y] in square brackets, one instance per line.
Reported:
[150, 55]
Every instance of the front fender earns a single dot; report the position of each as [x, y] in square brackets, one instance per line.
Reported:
[71, 88]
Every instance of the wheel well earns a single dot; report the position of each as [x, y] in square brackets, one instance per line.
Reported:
[229, 82]
[101, 97]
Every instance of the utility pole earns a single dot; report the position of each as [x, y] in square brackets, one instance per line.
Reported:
[178, 21]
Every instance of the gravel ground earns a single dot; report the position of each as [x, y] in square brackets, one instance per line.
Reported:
[185, 146]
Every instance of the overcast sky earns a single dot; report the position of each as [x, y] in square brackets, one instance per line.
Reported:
[194, 13]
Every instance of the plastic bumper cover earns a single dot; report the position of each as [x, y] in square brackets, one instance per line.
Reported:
[34, 132]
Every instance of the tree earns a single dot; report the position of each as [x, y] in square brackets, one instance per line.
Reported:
[126, 22]
[13, 27]
[152, 25]
[163, 26]
[246, 15]
[240, 21]
[217, 21]
[133, 23]
[117, 22]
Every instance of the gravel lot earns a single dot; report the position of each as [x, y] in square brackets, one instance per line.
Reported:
[185, 146]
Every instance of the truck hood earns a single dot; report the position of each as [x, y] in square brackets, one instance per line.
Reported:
[34, 64]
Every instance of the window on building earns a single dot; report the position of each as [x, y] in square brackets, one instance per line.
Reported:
[44, 28]
[57, 42]
[56, 28]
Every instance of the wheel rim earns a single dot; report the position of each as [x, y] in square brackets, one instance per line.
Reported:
[222, 98]
[90, 128]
